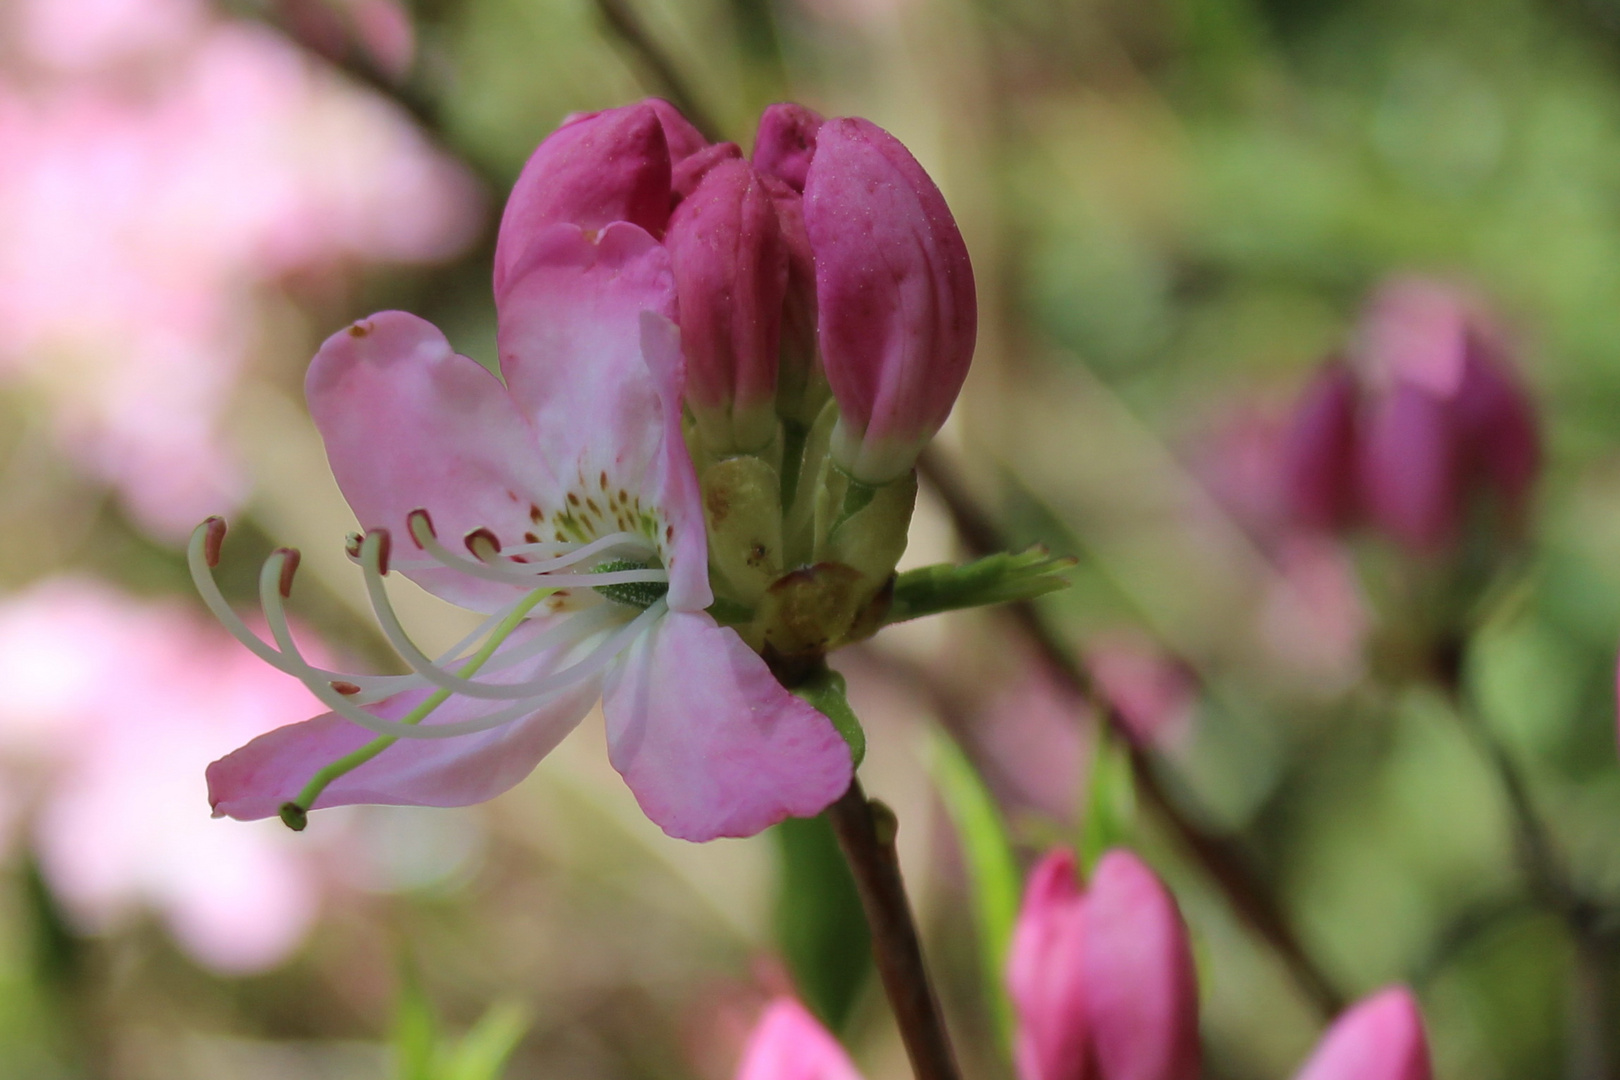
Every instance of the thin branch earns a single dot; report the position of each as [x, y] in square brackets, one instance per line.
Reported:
[622, 19]
[1225, 862]
[1594, 1053]
[866, 833]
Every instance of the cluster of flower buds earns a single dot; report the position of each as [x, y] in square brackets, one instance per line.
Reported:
[1103, 987]
[827, 317]
[1424, 433]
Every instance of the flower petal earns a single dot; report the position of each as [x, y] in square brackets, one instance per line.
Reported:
[1141, 992]
[606, 416]
[709, 742]
[408, 424]
[1044, 974]
[255, 780]
[1380, 1038]
[790, 1044]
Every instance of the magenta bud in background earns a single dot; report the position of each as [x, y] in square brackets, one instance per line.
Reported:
[1102, 980]
[790, 1044]
[1319, 452]
[731, 271]
[785, 143]
[1410, 472]
[894, 290]
[597, 169]
[1379, 1038]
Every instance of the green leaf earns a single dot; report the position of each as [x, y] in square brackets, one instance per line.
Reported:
[820, 925]
[416, 1030]
[485, 1050]
[992, 871]
[994, 579]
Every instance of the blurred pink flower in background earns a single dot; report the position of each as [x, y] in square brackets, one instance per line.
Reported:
[1428, 419]
[1155, 694]
[114, 706]
[790, 1044]
[158, 168]
[1312, 614]
[1033, 744]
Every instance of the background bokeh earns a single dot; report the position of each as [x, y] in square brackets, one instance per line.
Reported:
[1176, 210]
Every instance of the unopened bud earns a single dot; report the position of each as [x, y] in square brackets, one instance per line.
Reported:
[1379, 1038]
[597, 169]
[1320, 486]
[730, 279]
[894, 291]
[786, 141]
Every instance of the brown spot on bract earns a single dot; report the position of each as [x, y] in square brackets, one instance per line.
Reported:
[718, 505]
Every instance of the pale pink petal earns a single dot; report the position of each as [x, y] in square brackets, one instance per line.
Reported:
[605, 410]
[790, 1044]
[1141, 990]
[1380, 1038]
[254, 781]
[709, 742]
[409, 424]
[1044, 974]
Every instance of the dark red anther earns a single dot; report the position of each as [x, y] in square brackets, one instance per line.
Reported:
[289, 567]
[427, 522]
[347, 689]
[385, 545]
[213, 540]
[351, 544]
[482, 536]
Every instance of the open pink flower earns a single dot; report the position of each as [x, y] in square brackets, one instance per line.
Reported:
[576, 494]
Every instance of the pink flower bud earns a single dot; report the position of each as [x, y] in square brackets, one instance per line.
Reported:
[1448, 423]
[894, 290]
[1138, 972]
[1381, 1038]
[1102, 980]
[594, 170]
[1319, 453]
[785, 143]
[801, 385]
[789, 1044]
[689, 172]
[731, 272]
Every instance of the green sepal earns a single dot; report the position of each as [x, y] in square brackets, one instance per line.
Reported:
[1110, 799]
[825, 691]
[729, 612]
[994, 579]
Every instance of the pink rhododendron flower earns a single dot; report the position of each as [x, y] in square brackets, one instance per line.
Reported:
[113, 705]
[1426, 420]
[790, 1044]
[1102, 979]
[159, 168]
[576, 492]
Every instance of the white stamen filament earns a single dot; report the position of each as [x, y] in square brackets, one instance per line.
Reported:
[508, 571]
[567, 636]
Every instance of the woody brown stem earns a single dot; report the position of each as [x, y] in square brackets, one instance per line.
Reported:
[1223, 861]
[865, 832]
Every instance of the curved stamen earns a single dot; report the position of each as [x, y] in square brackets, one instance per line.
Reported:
[574, 628]
[492, 566]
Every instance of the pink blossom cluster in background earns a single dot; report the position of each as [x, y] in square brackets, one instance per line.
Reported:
[1103, 986]
[113, 706]
[159, 168]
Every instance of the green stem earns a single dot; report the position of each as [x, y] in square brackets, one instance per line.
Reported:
[296, 813]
